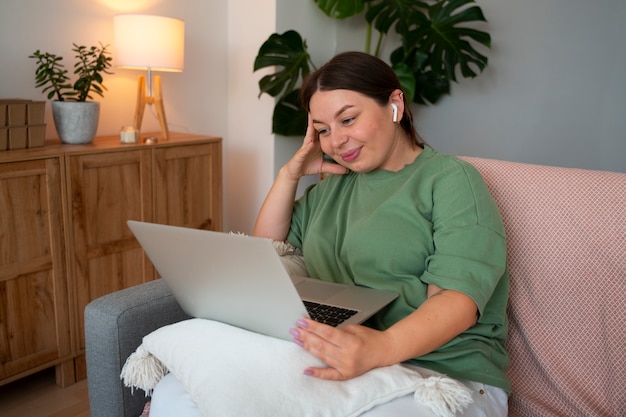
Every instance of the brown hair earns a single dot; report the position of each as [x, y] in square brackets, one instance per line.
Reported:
[363, 73]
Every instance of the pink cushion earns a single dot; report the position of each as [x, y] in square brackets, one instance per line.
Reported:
[566, 232]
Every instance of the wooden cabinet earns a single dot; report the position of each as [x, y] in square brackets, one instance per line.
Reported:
[106, 189]
[35, 319]
[64, 239]
[185, 187]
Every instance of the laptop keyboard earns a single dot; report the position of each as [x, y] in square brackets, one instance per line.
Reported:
[331, 315]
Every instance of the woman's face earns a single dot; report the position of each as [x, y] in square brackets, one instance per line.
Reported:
[357, 132]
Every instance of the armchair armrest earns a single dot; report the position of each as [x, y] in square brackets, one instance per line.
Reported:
[115, 325]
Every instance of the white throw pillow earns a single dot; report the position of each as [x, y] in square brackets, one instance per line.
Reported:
[229, 371]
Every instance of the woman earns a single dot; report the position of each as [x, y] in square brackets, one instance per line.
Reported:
[392, 213]
[395, 215]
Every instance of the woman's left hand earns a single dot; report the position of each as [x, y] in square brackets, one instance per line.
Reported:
[353, 350]
[348, 352]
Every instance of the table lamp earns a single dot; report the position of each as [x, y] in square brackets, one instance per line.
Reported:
[152, 43]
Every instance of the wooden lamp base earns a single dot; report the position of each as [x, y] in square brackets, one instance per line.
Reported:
[156, 99]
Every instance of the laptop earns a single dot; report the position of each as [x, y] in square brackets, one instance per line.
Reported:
[240, 280]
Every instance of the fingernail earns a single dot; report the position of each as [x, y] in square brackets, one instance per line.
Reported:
[308, 372]
[298, 342]
[302, 323]
[294, 332]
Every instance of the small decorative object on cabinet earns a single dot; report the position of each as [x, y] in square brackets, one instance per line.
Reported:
[66, 242]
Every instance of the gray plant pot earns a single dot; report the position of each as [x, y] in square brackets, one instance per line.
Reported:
[76, 121]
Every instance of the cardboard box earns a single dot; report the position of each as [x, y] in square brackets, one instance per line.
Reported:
[19, 112]
[22, 123]
[35, 112]
[36, 136]
[16, 114]
[17, 137]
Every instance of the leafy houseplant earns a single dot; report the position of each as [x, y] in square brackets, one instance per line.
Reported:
[437, 44]
[75, 117]
[90, 64]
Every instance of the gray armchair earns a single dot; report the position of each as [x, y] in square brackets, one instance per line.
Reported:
[114, 327]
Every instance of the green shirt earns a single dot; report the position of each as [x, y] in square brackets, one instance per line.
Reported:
[433, 222]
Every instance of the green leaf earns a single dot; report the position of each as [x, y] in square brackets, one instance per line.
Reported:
[289, 119]
[341, 9]
[450, 45]
[384, 14]
[439, 44]
[287, 51]
[430, 87]
[407, 79]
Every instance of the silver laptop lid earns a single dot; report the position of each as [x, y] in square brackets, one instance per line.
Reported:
[240, 280]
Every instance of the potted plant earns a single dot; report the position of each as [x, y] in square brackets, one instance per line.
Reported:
[75, 117]
[438, 43]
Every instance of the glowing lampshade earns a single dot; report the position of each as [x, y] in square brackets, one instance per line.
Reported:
[152, 43]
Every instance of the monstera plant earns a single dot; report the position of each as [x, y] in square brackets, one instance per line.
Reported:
[438, 42]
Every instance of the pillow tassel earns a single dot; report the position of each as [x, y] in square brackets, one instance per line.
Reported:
[142, 370]
[445, 396]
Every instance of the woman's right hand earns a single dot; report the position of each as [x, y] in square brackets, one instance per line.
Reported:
[309, 159]
[274, 218]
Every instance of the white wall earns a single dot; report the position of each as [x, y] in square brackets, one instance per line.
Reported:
[249, 157]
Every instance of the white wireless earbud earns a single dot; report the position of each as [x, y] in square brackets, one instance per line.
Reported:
[394, 106]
